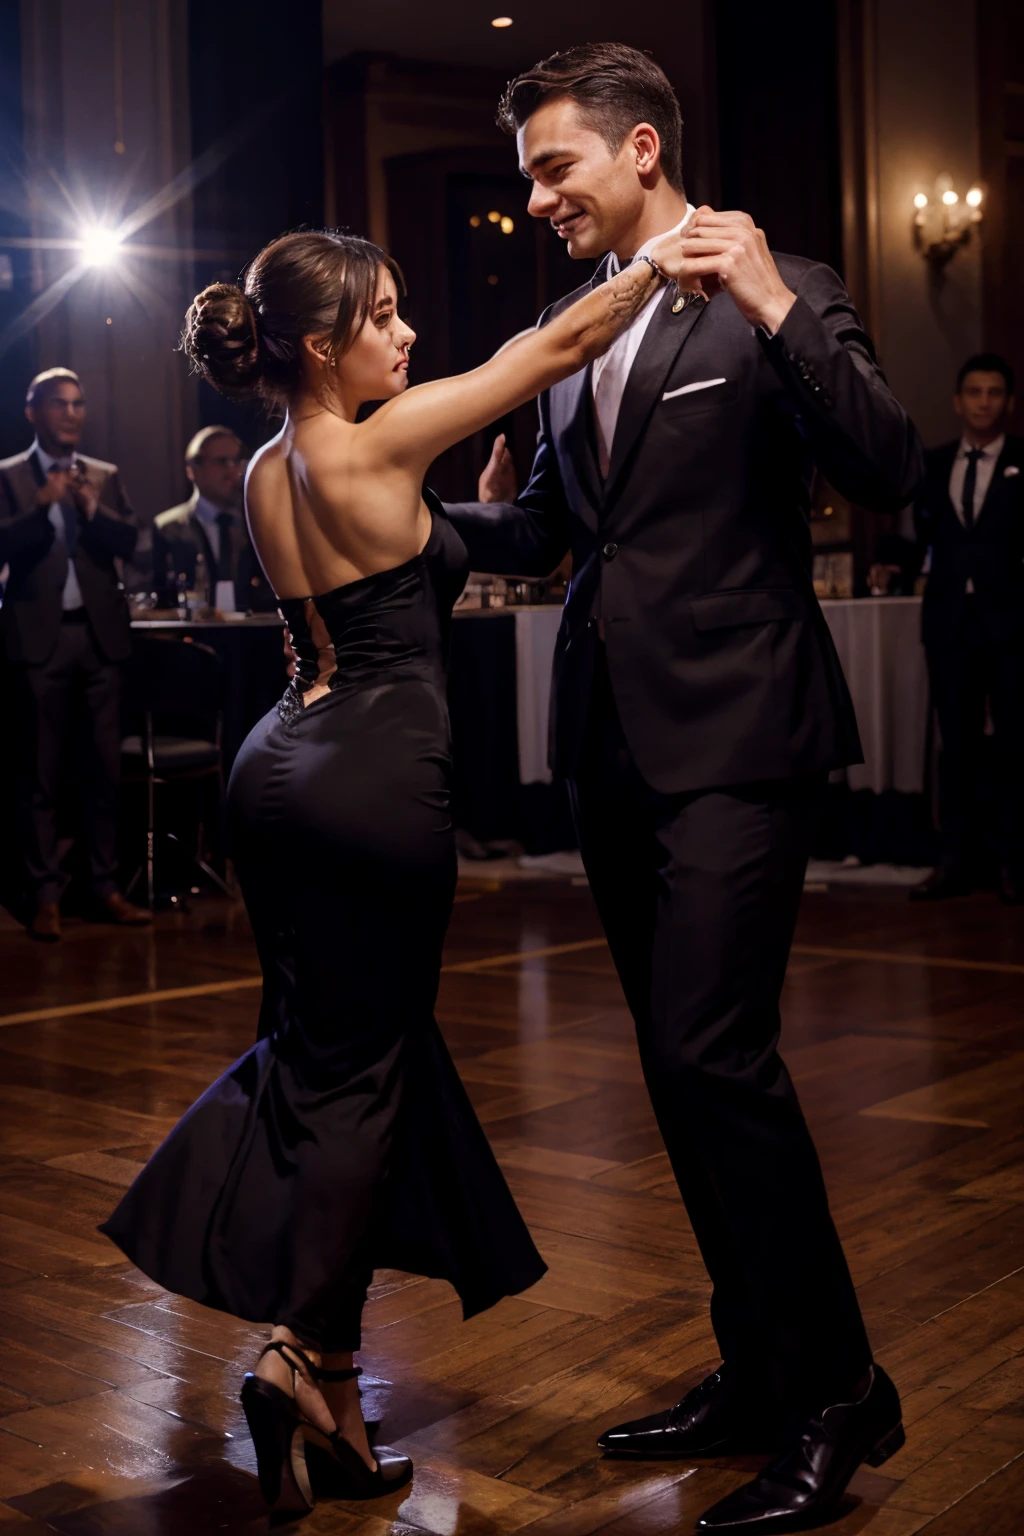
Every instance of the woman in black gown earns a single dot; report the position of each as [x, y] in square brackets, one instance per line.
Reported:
[344, 1140]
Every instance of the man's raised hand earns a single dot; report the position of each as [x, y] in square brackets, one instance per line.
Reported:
[498, 480]
[726, 252]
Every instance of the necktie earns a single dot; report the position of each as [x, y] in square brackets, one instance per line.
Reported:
[69, 512]
[970, 485]
[224, 524]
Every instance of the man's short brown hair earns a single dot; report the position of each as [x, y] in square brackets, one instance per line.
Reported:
[43, 385]
[614, 86]
[203, 436]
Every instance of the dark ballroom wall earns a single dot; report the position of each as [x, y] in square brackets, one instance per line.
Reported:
[105, 134]
[778, 125]
[16, 359]
[255, 92]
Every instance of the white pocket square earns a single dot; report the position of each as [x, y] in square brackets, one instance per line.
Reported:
[690, 389]
[1010, 471]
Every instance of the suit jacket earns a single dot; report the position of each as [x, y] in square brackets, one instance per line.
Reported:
[990, 553]
[696, 550]
[179, 537]
[39, 561]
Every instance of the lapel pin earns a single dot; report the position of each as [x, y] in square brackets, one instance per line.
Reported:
[684, 300]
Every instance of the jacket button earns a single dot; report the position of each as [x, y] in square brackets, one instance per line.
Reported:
[610, 551]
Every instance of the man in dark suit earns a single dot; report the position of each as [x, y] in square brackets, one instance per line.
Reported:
[969, 515]
[64, 521]
[698, 708]
[211, 523]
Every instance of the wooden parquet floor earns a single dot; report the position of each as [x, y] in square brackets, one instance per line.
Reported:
[905, 1032]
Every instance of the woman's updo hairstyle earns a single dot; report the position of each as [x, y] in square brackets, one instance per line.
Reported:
[247, 339]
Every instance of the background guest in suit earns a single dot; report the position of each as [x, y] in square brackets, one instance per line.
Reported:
[211, 523]
[64, 520]
[970, 516]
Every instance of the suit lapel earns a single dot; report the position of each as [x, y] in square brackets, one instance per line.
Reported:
[944, 475]
[996, 481]
[659, 349]
[572, 419]
[572, 428]
[25, 477]
[203, 539]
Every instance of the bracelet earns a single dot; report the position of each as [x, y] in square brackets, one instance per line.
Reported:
[652, 264]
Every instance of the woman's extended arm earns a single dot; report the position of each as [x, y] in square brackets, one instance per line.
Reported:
[428, 418]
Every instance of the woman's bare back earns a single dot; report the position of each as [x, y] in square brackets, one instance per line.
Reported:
[324, 510]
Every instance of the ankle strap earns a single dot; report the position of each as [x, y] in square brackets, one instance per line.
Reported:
[286, 1350]
[350, 1375]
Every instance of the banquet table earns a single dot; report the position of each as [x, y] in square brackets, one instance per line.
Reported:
[879, 644]
[251, 650]
[499, 700]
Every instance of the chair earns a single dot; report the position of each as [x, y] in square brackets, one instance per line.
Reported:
[174, 696]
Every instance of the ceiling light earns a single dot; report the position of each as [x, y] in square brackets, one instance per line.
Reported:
[507, 226]
[974, 197]
[921, 200]
[100, 247]
[494, 217]
[949, 198]
[502, 21]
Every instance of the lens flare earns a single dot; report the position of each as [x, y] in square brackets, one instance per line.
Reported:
[100, 247]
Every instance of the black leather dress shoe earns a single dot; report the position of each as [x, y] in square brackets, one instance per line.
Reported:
[714, 1419]
[940, 886]
[805, 1484]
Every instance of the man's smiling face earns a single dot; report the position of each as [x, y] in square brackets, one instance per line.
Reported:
[590, 194]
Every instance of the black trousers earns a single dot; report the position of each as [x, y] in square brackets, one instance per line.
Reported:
[76, 684]
[698, 894]
[972, 669]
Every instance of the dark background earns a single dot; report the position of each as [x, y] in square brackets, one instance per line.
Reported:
[17, 363]
[255, 72]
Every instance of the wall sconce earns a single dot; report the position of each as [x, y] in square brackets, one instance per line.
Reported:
[942, 223]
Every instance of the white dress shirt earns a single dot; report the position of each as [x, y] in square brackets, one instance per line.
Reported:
[984, 472]
[611, 370]
[72, 594]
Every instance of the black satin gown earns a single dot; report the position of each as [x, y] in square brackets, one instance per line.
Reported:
[343, 1141]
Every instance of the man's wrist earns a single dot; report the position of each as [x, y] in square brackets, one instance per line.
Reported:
[659, 275]
[772, 316]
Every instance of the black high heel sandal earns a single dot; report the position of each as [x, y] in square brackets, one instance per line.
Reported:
[278, 1432]
[337, 1471]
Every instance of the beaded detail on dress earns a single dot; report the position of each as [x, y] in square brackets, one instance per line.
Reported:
[390, 624]
[290, 705]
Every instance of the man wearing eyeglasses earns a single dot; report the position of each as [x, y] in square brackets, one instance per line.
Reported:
[211, 524]
[64, 522]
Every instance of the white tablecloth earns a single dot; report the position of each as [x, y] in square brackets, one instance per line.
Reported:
[879, 645]
[536, 629]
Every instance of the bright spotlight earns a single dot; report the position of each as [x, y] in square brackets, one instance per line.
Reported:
[502, 21]
[921, 200]
[100, 247]
[949, 198]
[974, 197]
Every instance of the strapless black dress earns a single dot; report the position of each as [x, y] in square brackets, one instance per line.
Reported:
[343, 1141]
